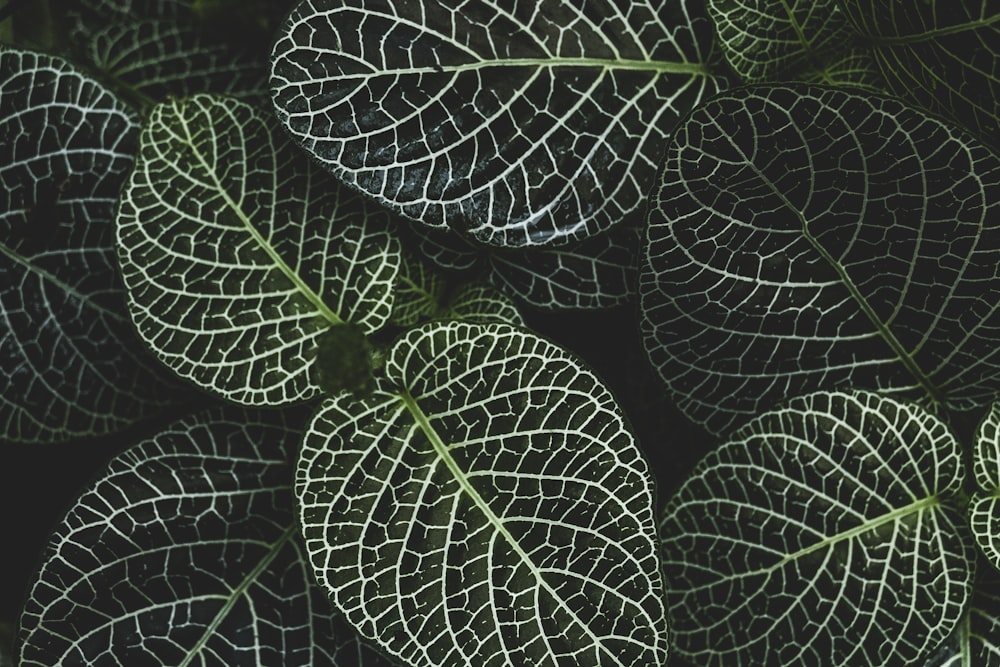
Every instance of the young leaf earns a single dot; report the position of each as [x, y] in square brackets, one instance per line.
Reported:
[487, 505]
[186, 551]
[423, 294]
[238, 254]
[820, 534]
[806, 40]
[71, 361]
[535, 124]
[940, 55]
[984, 510]
[806, 238]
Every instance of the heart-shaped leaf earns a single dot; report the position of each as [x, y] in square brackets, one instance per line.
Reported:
[71, 362]
[238, 254]
[820, 534]
[985, 506]
[940, 55]
[805, 40]
[487, 505]
[806, 238]
[186, 551]
[513, 124]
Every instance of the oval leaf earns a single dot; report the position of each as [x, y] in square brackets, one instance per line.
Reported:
[72, 363]
[238, 254]
[806, 238]
[535, 124]
[186, 551]
[985, 506]
[486, 506]
[940, 55]
[820, 534]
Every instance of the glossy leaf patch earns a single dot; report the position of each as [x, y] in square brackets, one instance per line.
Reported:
[985, 506]
[238, 254]
[514, 124]
[820, 533]
[71, 364]
[185, 551]
[942, 55]
[485, 506]
[807, 238]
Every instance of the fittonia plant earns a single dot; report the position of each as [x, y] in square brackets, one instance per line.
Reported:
[300, 260]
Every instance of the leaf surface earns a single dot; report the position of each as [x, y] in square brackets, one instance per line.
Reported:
[820, 533]
[941, 55]
[238, 254]
[487, 505]
[807, 238]
[804, 40]
[976, 640]
[513, 123]
[72, 364]
[984, 508]
[185, 551]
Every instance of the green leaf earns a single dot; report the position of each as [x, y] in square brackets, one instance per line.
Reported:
[599, 272]
[423, 294]
[804, 40]
[185, 551]
[157, 58]
[984, 510]
[72, 364]
[532, 125]
[820, 533]
[238, 254]
[486, 505]
[808, 238]
[976, 640]
[941, 55]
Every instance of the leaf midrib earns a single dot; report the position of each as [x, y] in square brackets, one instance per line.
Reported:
[328, 314]
[881, 328]
[238, 592]
[915, 507]
[657, 66]
[441, 449]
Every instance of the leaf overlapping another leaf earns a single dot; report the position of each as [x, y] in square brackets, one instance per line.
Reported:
[820, 533]
[514, 123]
[976, 640]
[71, 361]
[487, 505]
[238, 254]
[185, 551]
[943, 55]
[807, 238]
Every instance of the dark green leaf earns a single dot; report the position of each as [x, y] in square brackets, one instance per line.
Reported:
[806, 238]
[487, 505]
[68, 355]
[514, 124]
[820, 533]
[238, 254]
[185, 551]
[985, 506]
[940, 54]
